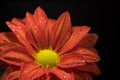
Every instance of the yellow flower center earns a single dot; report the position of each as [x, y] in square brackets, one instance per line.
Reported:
[47, 58]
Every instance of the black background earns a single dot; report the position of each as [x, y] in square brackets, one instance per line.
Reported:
[96, 14]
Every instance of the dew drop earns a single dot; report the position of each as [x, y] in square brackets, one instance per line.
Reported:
[67, 77]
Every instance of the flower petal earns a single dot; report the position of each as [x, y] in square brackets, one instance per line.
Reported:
[88, 41]
[65, 32]
[88, 55]
[7, 37]
[62, 75]
[15, 58]
[50, 24]
[41, 21]
[38, 33]
[82, 76]
[90, 67]
[28, 33]
[31, 71]
[71, 60]
[20, 34]
[13, 75]
[6, 46]
[57, 28]
[40, 18]
[77, 35]
[6, 72]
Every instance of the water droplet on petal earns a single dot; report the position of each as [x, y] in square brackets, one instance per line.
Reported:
[67, 77]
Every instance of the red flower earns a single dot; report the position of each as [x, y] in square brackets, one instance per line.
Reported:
[40, 48]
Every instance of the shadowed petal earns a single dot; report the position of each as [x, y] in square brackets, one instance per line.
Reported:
[13, 75]
[71, 60]
[57, 28]
[62, 75]
[31, 71]
[77, 35]
[10, 74]
[7, 37]
[15, 58]
[3, 64]
[88, 55]
[82, 76]
[88, 41]
[89, 67]
[20, 34]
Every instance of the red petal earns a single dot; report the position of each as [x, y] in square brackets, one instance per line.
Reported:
[88, 55]
[90, 67]
[20, 34]
[57, 28]
[62, 75]
[15, 58]
[13, 75]
[31, 71]
[6, 73]
[28, 35]
[71, 60]
[35, 30]
[88, 41]
[50, 24]
[40, 18]
[6, 46]
[82, 76]
[8, 37]
[41, 21]
[77, 35]
[64, 33]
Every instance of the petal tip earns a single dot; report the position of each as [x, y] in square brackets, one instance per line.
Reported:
[7, 22]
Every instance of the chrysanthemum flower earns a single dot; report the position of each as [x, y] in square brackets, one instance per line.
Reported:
[40, 48]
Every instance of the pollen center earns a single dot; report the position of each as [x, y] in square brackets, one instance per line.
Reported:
[47, 58]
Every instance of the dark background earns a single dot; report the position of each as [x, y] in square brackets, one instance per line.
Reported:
[96, 14]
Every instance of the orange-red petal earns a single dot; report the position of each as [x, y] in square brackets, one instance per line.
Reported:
[58, 27]
[88, 41]
[88, 55]
[36, 30]
[20, 34]
[50, 24]
[71, 60]
[40, 18]
[65, 32]
[6, 73]
[8, 37]
[62, 75]
[28, 33]
[15, 58]
[90, 68]
[77, 35]
[13, 75]
[31, 71]
[41, 21]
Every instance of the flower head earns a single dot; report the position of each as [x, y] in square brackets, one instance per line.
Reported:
[40, 48]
